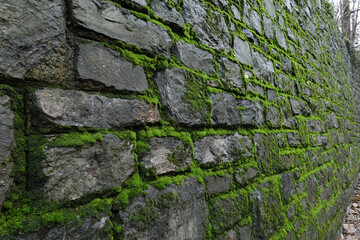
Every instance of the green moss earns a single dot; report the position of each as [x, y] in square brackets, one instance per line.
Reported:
[75, 139]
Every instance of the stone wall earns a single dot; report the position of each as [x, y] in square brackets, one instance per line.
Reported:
[175, 119]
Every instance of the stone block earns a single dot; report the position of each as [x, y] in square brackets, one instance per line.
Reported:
[263, 67]
[218, 184]
[242, 176]
[280, 36]
[293, 139]
[251, 112]
[118, 23]
[267, 152]
[162, 10]
[77, 108]
[287, 185]
[224, 110]
[221, 149]
[242, 51]
[270, 8]
[230, 73]
[268, 27]
[100, 64]
[167, 155]
[273, 118]
[253, 19]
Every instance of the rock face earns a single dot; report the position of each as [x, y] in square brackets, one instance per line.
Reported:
[92, 229]
[29, 30]
[106, 18]
[222, 149]
[177, 212]
[242, 51]
[72, 173]
[167, 155]
[172, 84]
[7, 142]
[97, 63]
[251, 112]
[224, 110]
[76, 108]
[161, 9]
[231, 74]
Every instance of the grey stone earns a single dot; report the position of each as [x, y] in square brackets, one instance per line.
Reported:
[268, 27]
[314, 125]
[250, 36]
[243, 176]
[171, 15]
[217, 184]
[176, 212]
[287, 185]
[93, 228]
[118, 23]
[242, 51]
[280, 36]
[291, 35]
[266, 150]
[29, 30]
[194, 57]
[77, 108]
[140, 2]
[222, 149]
[172, 87]
[263, 67]
[245, 232]
[286, 65]
[7, 143]
[283, 82]
[254, 20]
[230, 235]
[213, 31]
[286, 112]
[282, 140]
[331, 121]
[281, 22]
[299, 107]
[270, 8]
[271, 95]
[236, 12]
[273, 117]
[256, 89]
[224, 110]
[251, 112]
[167, 155]
[312, 190]
[100, 64]
[293, 139]
[230, 73]
[72, 172]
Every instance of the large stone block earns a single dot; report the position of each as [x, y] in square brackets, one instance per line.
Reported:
[30, 29]
[7, 142]
[267, 152]
[242, 51]
[230, 73]
[263, 67]
[76, 108]
[100, 64]
[110, 20]
[74, 172]
[224, 110]
[176, 212]
[162, 10]
[251, 112]
[177, 90]
[167, 155]
[222, 149]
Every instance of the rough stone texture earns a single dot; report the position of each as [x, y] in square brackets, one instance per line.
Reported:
[293, 139]
[222, 149]
[100, 64]
[243, 176]
[76, 108]
[172, 87]
[242, 51]
[224, 110]
[266, 150]
[230, 73]
[118, 23]
[92, 229]
[7, 142]
[299, 107]
[167, 155]
[273, 118]
[268, 27]
[280, 36]
[177, 212]
[251, 112]
[211, 31]
[29, 30]
[217, 184]
[72, 173]
[236, 12]
[288, 185]
[194, 57]
[170, 15]
[270, 8]
[254, 20]
[263, 67]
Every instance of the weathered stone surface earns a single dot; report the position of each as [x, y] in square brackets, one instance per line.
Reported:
[236, 12]
[211, 31]
[76, 108]
[311, 190]
[315, 125]
[170, 15]
[253, 19]
[194, 57]
[100, 64]
[255, 88]
[299, 107]
[272, 95]
[7, 142]
[224, 110]
[288, 185]
[71, 173]
[242, 51]
[29, 30]
[243, 176]
[251, 112]
[177, 212]
[273, 117]
[268, 27]
[230, 73]
[221, 149]
[140, 2]
[270, 8]
[217, 184]
[263, 67]
[331, 121]
[91, 229]
[172, 84]
[106, 18]
[280, 36]
[293, 139]
[167, 155]
[267, 151]
[230, 235]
